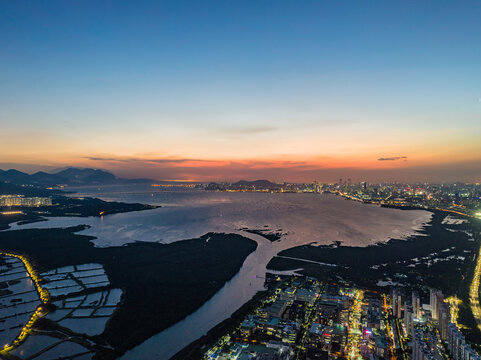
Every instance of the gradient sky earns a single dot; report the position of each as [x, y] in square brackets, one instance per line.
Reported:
[204, 90]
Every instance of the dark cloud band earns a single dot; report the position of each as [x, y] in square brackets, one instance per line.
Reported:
[392, 158]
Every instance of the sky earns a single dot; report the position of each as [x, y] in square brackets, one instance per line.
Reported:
[228, 90]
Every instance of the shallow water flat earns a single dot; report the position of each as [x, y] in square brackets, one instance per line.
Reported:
[113, 297]
[94, 279]
[62, 350]
[85, 273]
[33, 345]
[65, 291]
[89, 326]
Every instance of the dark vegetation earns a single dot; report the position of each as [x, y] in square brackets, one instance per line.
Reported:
[91, 207]
[394, 257]
[162, 283]
[409, 262]
[11, 218]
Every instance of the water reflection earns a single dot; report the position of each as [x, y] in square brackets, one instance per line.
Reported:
[192, 213]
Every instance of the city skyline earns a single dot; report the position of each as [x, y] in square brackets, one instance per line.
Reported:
[228, 91]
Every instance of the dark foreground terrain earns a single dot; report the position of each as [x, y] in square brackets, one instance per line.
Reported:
[161, 283]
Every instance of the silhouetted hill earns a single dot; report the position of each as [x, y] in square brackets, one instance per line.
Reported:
[75, 176]
[258, 184]
[14, 176]
[70, 176]
[42, 177]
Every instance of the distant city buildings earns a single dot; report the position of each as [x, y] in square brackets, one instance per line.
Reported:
[20, 200]
[458, 198]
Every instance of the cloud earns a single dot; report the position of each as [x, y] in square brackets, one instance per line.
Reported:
[95, 158]
[394, 158]
[136, 160]
[173, 161]
[248, 130]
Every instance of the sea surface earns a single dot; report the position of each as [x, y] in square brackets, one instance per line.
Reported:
[190, 213]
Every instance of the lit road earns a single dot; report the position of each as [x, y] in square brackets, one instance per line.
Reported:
[474, 292]
[355, 337]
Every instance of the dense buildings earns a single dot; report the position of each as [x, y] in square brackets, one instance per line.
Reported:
[459, 349]
[460, 198]
[305, 319]
[20, 200]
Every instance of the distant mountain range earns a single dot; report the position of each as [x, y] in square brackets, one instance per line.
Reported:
[12, 181]
[70, 177]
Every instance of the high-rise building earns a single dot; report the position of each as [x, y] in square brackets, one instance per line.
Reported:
[420, 349]
[364, 185]
[444, 318]
[433, 301]
[457, 345]
[408, 319]
[397, 302]
[416, 304]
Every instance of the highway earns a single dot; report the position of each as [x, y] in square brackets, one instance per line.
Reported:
[354, 334]
[474, 292]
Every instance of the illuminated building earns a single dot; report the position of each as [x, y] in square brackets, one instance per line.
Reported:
[396, 303]
[416, 304]
[20, 200]
[408, 319]
[433, 301]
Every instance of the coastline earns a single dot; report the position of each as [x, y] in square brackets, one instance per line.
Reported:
[399, 206]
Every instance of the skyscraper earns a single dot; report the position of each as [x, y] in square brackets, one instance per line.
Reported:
[433, 301]
[396, 297]
[416, 304]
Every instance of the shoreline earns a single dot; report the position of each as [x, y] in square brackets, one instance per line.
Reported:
[401, 207]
